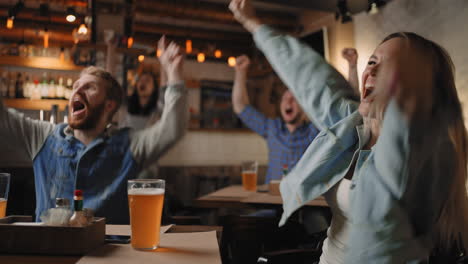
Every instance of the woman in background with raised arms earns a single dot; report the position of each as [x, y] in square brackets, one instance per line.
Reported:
[393, 166]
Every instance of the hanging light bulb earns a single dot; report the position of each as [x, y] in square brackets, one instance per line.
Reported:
[83, 30]
[232, 61]
[218, 53]
[71, 16]
[141, 58]
[129, 42]
[201, 57]
[373, 8]
[13, 12]
[46, 38]
[188, 46]
[9, 23]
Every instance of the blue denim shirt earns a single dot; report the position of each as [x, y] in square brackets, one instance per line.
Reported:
[397, 188]
[100, 169]
[284, 147]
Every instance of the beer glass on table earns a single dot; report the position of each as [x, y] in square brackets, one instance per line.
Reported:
[145, 200]
[4, 186]
[249, 175]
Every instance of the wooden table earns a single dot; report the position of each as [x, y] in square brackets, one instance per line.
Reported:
[236, 197]
[210, 255]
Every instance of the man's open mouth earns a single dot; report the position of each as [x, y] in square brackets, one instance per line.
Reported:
[78, 107]
[288, 111]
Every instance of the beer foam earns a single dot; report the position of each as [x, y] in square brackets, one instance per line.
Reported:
[2, 200]
[146, 191]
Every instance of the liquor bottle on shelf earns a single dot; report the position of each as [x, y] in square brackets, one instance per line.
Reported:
[36, 90]
[19, 85]
[44, 86]
[68, 89]
[11, 85]
[4, 84]
[60, 89]
[52, 89]
[54, 114]
[27, 84]
[65, 115]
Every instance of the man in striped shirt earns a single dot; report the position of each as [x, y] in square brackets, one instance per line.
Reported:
[287, 137]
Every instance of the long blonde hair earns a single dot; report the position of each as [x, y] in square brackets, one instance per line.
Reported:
[451, 228]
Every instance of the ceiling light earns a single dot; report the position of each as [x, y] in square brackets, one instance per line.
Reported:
[188, 46]
[232, 61]
[374, 6]
[201, 57]
[46, 38]
[71, 15]
[129, 42]
[9, 23]
[83, 30]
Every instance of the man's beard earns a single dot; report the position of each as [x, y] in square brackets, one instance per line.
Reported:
[91, 120]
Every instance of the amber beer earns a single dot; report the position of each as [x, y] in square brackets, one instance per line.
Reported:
[249, 175]
[4, 186]
[249, 180]
[145, 204]
[3, 203]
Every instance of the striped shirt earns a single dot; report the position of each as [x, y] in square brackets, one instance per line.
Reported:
[284, 147]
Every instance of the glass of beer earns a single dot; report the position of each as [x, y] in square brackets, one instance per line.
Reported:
[145, 201]
[249, 175]
[4, 186]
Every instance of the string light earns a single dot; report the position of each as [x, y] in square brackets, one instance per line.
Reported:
[188, 46]
[201, 57]
[46, 38]
[218, 53]
[129, 42]
[232, 61]
[9, 23]
[158, 53]
[141, 58]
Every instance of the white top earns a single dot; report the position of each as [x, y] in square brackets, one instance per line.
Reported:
[334, 246]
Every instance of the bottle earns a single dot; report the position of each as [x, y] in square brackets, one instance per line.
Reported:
[68, 88]
[285, 171]
[4, 84]
[44, 86]
[19, 86]
[36, 90]
[52, 89]
[54, 114]
[78, 218]
[11, 85]
[60, 89]
[27, 86]
[65, 115]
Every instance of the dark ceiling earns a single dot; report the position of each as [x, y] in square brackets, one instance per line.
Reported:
[206, 22]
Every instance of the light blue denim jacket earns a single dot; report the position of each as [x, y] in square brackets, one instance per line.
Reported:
[396, 192]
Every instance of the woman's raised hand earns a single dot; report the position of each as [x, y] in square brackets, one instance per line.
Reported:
[244, 12]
